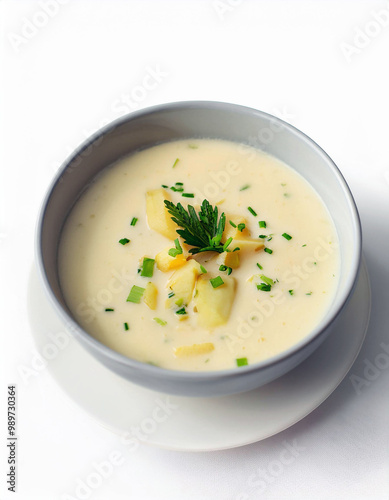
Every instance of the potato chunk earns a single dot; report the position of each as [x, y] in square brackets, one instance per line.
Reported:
[214, 304]
[233, 232]
[229, 259]
[182, 284]
[158, 217]
[252, 244]
[189, 350]
[150, 295]
[166, 262]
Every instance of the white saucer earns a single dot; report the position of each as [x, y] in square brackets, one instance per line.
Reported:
[200, 424]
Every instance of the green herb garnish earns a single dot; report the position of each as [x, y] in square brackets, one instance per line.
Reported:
[216, 282]
[124, 241]
[241, 226]
[262, 223]
[287, 236]
[160, 321]
[309, 293]
[203, 270]
[135, 294]
[232, 224]
[229, 270]
[109, 309]
[164, 186]
[173, 252]
[267, 280]
[252, 211]
[241, 362]
[227, 244]
[188, 195]
[126, 327]
[175, 163]
[147, 268]
[134, 221]
[243, 188]
[264, 287]
[291, 292]
[267, 250]
[179, 302]
[259, 265]
[181, 311]
[203, 231]
[171, 294]
[222, 267]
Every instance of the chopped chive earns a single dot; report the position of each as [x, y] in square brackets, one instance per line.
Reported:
[309, 293]
[243, 188]
[179, 183]
[283, 184]
[135, 294]
[222, 267]
[291, 292]
[164, 186]
[252, 211]
[181, 311]
[267, 280]
[241, 226]
[160, 321]
[229, 270]
[179, 302]
[188, 195]
[171, 294]
[232, 224]
[226, 244]
[262, 223]
[269, 238]
[109, 309]
[173, 252]
[147, 268]
[267, 250]
[177, 189]
[134, 221]
[304, 245]
[264, 287]
[216, 282]
[241, 362]
[263, 236]
[124, 241]
[259, 265]
[236, 249]
[175, 163]
[203, 270]
[126, 327]
[286, 195]
[287, 236]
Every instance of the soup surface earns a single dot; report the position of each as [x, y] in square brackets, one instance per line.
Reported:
[134, 284]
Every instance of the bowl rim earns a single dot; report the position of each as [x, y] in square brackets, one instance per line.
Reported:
[167, 373]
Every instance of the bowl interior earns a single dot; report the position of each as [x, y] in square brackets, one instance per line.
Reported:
[202, 120]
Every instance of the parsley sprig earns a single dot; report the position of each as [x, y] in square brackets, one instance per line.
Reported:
[203, 231]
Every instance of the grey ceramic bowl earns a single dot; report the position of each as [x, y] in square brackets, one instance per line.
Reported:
[180, 120]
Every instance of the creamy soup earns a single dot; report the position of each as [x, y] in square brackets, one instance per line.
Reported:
[267, 278]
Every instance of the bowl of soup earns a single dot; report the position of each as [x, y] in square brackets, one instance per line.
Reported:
[199, 248]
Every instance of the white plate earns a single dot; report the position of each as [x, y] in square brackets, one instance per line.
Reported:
[202, 424]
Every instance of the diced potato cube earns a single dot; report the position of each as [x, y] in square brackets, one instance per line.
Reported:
[150, 295]
[166, 262]
[233, 232]
[252, 244]
[229, 259]
[158, 217]
[182, 284]
[214, 304]
[190, 350]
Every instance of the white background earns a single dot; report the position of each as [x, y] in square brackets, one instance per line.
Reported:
[306, 62]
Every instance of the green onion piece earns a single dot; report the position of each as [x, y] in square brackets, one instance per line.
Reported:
[188, 195]
[177, 189]
[241, 362]
[171, 294]
[241, 226]
[291, 292]
[179, 302]
[147, 267]
[236, 249]
[203, 270]
[259, 265]
[252, 211]
[135, 294]
[134, 221]
[222, 267]
[109, 309]
[179, 183]
[173, 252]
[269, 238]
[226, 244]
[309, 293]
[287, 236]
[124, 241]
[243, 188]
[262, 223]
[164, 186]
[181, 311]
[264, 287]
[175, 163]
[126, 327]
[267, 250]
[215, 282]
[232, 224]
[304, 245]
[229, 270]
[283, 184]
[160, 321]
[267, 280]
[263, 236]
